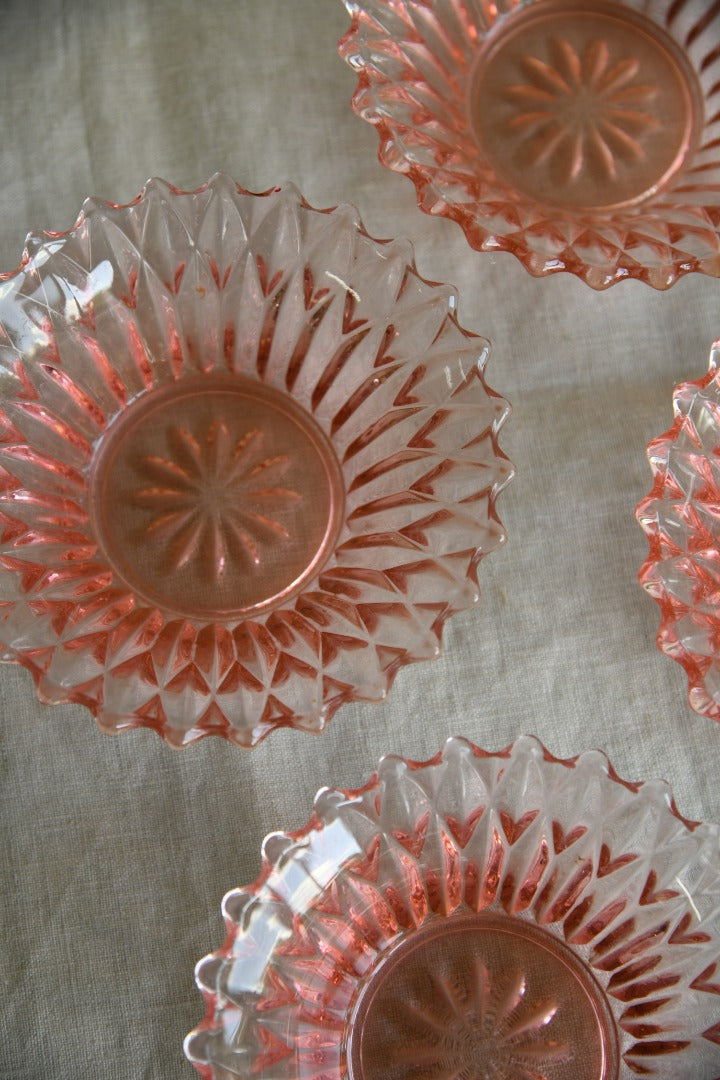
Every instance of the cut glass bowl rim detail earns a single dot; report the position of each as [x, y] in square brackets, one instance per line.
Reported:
[657, 241]
[164, 215]
[592, 859]
[676, 517]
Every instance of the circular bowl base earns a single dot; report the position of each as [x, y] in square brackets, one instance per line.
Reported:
[216, 496]
[586, 106]
[483, 997]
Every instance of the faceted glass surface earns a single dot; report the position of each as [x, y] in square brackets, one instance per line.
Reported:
[248, 462]
[490, 916]
[577, 136]
[681, 519]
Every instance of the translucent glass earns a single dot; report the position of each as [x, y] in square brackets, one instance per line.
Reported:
[580, 137]
[248, 462]
[681, 519]
[494, 916]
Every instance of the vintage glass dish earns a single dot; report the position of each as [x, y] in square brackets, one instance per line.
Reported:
[248, 462]
[681, 519]
[489, 916]
[579, 135]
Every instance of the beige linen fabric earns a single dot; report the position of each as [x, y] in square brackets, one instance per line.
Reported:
[116, 852]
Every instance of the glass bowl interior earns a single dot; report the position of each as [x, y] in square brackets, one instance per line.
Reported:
[580, 137]
[248, 462]
[480, 914]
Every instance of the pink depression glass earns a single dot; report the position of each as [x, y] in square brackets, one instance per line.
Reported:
[681, 519]
[579, 135]
[248, 462]
[485, 916]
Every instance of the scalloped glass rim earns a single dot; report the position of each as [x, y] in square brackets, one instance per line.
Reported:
[677, 518]
[609, 869]
[334, 322]
[421, 117]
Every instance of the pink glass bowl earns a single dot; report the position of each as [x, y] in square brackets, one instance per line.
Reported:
[681, 519]
[494, 916]
[579, 135]
[248, 462]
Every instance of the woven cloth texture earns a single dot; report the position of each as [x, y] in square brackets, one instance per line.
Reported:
[116, 852]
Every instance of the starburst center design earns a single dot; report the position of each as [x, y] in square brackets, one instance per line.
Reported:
[583, 109]
[579, 107]
[477, 998]
[488, 1031]
[217, 496]
[214, 498]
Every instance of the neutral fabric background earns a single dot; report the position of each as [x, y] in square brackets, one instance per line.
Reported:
[116, 852]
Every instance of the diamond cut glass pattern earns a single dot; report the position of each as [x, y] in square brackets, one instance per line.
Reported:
[248, 462]
[680, 519]
[490, 916]
[578, 137]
